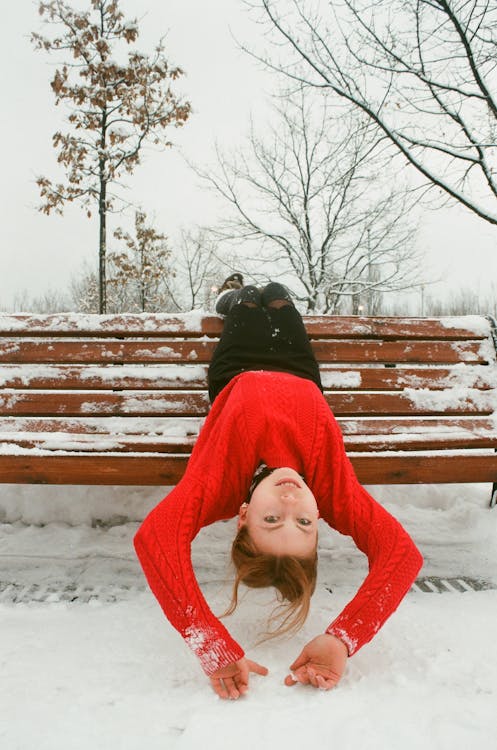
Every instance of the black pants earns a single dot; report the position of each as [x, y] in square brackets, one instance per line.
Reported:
[256, 338]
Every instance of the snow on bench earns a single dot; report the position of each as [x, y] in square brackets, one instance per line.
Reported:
[120, 399]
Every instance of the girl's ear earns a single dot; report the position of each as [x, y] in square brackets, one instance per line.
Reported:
[242, 515]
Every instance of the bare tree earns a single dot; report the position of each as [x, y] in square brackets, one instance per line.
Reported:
[139, 274]
[312, 194]
[85, 290]
[50, 301]
[197, 271]
[114, 107]
[423, 71]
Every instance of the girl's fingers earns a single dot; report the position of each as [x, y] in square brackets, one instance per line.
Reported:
[219, 689]
[226, 688]
[318, 681]
[312, 677]
[299, 661]
[257, 668]
[324, 684]
[230, 685]
[308, 676]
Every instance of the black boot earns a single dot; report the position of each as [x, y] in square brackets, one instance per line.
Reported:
[249, 295]
[275, 292]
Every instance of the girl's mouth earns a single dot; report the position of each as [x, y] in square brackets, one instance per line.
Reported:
[289, 482]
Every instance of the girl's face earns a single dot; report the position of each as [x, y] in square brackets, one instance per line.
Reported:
[282, 516]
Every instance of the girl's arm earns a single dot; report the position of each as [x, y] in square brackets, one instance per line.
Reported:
[213, 487]
[163, 546]
[394, 560]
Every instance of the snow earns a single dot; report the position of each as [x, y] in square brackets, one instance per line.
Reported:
[114, 675]
[339, 379]
[457, 397]
[128, 322]
[475, 323]
[156, 374]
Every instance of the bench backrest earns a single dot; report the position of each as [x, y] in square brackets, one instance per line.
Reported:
[137, 383]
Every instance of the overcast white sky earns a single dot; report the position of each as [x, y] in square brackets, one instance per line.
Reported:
[224, 86]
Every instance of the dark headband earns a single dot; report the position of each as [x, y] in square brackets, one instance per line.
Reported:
[261, 473]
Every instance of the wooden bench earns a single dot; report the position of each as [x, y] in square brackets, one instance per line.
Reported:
[120, 399]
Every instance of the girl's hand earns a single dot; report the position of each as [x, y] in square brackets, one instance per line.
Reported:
[232, 681]
[321, 663]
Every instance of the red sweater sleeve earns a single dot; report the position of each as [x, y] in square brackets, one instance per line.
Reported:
[214, 485]
[394, 560]
[163, 546]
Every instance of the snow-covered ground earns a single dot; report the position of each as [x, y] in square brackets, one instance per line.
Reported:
[113, 675]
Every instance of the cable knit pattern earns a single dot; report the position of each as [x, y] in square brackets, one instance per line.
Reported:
[282, 420]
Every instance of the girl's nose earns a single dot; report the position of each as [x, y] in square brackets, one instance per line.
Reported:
[288, 494]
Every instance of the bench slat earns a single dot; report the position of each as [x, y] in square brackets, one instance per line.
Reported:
[167, 377]
[167, 426]
[167, 471]
[192, 352]
[195, 403]
[192, 325]
[85, 444]
[103, 425]
[47, 403]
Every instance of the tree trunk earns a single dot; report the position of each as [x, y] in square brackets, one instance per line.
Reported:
[102, 247]
[102, 214]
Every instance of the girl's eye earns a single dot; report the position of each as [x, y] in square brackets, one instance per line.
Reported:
[271, 519]
[304, 522]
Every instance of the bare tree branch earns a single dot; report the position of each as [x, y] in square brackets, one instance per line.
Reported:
[422, 71]
[310, 204]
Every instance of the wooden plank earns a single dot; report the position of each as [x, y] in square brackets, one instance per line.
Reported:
[93, 470]
[164, 426]
[106, 404]
[150, 325]
[195, 324]
[196, 403]
[442, 441]
[351, 426]
[383, 378]
[108, 352]
[194, 377]
[167, 471]
[401, 404]
[93, 426]
[446, 328]
[393, 352]
[94, 377]
[200, 352]
[84, 444]
[425, 469]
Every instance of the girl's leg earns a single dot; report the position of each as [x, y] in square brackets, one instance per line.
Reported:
[290, 342]
[245, 338]
[272, 337]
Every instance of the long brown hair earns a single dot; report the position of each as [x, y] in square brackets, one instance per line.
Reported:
[294, 579]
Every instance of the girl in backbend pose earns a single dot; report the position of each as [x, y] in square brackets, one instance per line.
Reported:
[271, 453]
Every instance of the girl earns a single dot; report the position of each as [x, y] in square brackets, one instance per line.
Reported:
[271, 452]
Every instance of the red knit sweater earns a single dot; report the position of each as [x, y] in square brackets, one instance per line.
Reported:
[281, 420]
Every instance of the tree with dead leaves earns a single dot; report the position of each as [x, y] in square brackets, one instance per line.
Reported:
[117, 100]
